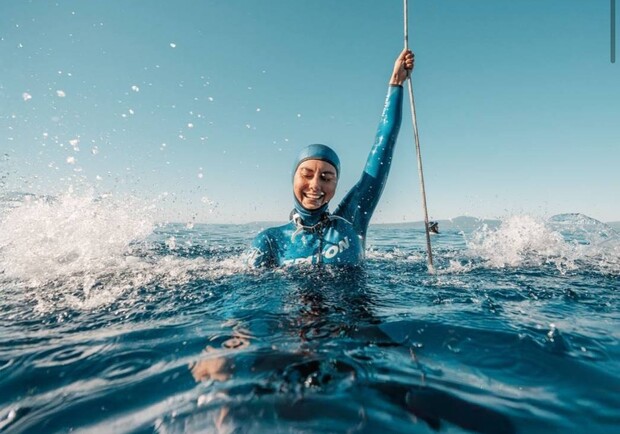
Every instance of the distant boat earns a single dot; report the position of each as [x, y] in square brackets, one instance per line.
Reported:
[433, 227]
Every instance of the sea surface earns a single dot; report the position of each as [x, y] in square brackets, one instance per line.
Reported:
[110, 322]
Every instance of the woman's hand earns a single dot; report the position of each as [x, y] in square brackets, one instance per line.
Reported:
[402, 67]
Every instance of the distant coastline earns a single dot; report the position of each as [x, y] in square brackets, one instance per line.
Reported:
[460, 222]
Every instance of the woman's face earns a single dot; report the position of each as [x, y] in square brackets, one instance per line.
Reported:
[314, 183]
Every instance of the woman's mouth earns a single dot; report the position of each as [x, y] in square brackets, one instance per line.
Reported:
[313, 200]
[314, 196]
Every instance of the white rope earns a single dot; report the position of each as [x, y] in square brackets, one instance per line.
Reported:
[431, 269]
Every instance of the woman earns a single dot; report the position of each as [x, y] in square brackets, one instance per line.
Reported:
[315, 236]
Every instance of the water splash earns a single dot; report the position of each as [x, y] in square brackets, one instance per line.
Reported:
[581, 229]
[45, 239]
[567, 241]
[83, 251]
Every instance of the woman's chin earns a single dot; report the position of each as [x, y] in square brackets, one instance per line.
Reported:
[312, 205]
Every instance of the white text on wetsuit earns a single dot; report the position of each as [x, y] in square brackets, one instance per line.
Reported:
[328, 253]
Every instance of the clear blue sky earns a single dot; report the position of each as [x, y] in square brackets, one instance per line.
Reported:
[518, 103]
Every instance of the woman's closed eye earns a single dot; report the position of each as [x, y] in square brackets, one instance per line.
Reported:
[328, 177]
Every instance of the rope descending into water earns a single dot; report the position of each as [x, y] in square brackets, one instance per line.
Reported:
[431, 269]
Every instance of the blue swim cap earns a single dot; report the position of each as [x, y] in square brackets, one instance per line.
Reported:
[318, 152]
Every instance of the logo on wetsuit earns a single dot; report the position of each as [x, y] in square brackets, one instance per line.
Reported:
[328, 253]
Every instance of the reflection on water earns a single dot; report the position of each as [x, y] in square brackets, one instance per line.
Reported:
[339, 336]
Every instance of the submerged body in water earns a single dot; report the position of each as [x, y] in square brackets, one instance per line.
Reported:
[516, 332]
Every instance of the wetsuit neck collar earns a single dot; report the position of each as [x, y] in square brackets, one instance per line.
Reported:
[309, 217]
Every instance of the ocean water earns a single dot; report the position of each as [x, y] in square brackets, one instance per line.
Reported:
[110, 322]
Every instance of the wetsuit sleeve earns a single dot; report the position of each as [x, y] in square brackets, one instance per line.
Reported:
[262, 253]
[359, 203]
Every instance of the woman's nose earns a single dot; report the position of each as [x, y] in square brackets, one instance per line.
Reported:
[314, 183]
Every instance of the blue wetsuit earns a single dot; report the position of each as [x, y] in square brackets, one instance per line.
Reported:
[337, 238]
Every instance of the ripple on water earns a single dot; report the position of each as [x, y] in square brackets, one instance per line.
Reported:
[6, 364]
[128, 363]
[516, 359]
[66, 355]
[12, 416]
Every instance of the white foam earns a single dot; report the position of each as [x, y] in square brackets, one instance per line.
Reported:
[83, 251]
[568, 242]
[46, 239]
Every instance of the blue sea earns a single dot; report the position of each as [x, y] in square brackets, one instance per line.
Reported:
[111, 322]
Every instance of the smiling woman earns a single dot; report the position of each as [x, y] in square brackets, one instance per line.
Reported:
[315, 177]
[315, 183]
[315, 236]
